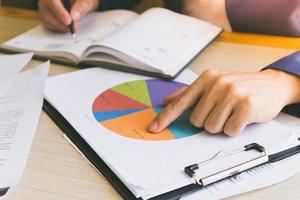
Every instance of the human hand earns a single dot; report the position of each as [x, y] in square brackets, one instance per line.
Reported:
[55, 17]
[229, 101]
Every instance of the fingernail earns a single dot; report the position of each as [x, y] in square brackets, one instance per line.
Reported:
[76, 15]
[153, 126]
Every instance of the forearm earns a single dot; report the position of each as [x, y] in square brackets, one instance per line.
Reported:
[290, 83]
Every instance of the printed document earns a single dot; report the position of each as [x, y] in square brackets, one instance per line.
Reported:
[20, 108]
[115, 110]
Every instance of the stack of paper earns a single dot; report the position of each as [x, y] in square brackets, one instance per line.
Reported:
[21, 98]
[115, 110]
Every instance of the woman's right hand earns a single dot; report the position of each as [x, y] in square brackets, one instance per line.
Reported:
[55, 17]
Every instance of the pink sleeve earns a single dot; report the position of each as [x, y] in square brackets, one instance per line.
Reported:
[277, 17]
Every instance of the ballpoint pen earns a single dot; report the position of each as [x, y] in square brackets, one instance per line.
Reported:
[67, 4]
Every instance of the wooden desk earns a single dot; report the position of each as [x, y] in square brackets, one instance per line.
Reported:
[56, 171]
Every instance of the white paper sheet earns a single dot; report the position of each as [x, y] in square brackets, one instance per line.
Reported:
[260, 177]
[162, 168]
[10, 65]
[20, 108]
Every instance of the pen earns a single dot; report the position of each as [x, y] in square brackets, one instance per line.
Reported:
[67, 4]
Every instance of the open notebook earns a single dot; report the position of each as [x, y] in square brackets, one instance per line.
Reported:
[158, 41]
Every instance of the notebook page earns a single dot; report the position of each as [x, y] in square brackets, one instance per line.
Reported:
[90, 30]
[162, 39]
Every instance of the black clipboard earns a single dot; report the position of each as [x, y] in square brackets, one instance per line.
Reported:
[88, 152]
[176, 194]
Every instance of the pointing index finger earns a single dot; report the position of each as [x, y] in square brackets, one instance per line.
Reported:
[174, 109]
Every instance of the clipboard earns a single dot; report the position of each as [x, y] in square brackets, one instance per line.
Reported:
[3, 191]
[198, 182]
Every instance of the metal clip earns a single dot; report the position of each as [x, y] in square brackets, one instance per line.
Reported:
[232, 171]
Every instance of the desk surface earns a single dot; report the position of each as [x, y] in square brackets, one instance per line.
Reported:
[56, 171]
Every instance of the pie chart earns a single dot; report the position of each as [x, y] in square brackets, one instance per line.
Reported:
[127, 110]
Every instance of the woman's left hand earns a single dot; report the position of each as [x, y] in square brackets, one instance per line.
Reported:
[229, 101]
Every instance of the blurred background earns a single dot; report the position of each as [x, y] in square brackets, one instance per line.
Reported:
[29, 4]
[32, 4]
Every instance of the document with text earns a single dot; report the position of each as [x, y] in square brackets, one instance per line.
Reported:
[20, 108]
[115, 110]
